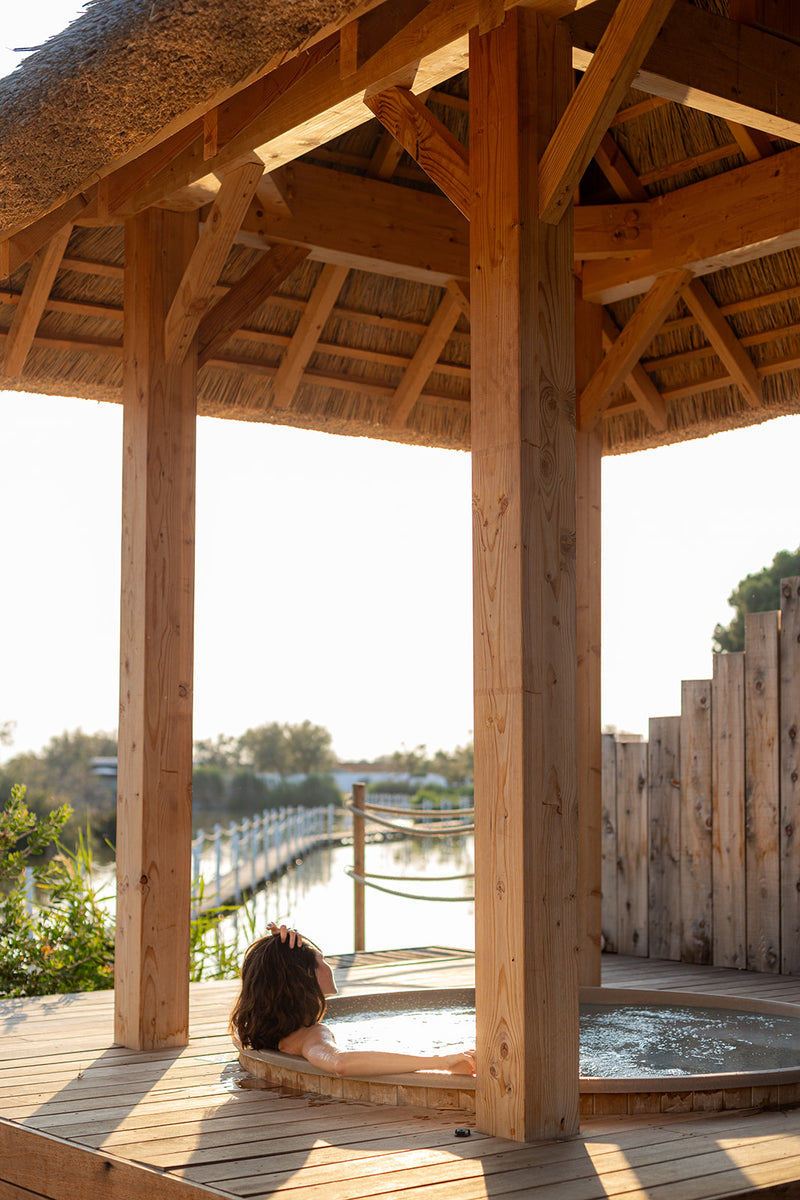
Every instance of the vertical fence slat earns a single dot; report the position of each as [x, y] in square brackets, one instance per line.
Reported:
[632, 845]
[762, 792]
[790, 775]
[664, 805]
[695, 757]
[727, 804]
[609, 845]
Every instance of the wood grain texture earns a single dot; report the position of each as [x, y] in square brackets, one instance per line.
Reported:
[725, 342]
[664, 842]
[727, 804]
[307, 334]
[759, 202]
[41, 277]
[588, 454]
[638, 382]
[426, 356]
[632, 833]
[429, 142]
[195, 290]
[607, 78]
[704, 61]
[523, 452]
[762, 790]
[623, 354]
[609, 865]
[790, 774]
[156, 646]
[696, 912]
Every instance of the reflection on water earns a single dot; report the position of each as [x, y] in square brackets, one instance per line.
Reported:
[619, 1042]
[316, 896]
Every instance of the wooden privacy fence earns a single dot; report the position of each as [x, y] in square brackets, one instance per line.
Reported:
[701, 840]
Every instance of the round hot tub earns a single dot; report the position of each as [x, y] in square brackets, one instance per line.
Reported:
[641, 1051]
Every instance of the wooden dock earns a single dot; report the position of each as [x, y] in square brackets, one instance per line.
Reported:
[82, 1119]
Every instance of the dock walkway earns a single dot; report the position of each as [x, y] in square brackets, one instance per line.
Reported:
[82, 1119]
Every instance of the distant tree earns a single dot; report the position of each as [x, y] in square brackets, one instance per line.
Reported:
[760, 592]
[7, 732]
[223, 751]
[309, 749]
[288, 749]
[413, 763]
[265, 747]
[455, 767]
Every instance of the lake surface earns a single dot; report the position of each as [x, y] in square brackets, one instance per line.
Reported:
[316, 897]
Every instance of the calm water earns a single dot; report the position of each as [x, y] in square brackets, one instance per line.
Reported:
[317, 897]
[621, 1042]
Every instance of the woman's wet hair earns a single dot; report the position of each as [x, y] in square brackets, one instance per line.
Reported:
[280, 993]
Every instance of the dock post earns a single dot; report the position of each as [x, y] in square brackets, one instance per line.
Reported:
[359, 922]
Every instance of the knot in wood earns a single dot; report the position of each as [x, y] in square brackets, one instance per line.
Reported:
[787, 591]
[789, 830]
[143, 880]
[794, 776]
[500, 889]
[504, 1050]
[792, 732]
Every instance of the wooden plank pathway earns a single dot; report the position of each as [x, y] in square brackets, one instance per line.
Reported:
[81, 1118]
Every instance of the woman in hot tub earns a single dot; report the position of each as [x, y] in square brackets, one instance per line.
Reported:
[285, 981]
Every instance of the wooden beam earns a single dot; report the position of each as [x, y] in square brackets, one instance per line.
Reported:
[154, 804]
[638, 382]
[629, 346]
[231, 311]
[759, 203]
[618, 171]
[523, 451]
[306, 336]
[588, 451]
[723, 339]
[618, 56]
[203, 270]
[429, 142]
[424, 361]
[710, 63]
[752, 142]
[33, 300]
[20, 247]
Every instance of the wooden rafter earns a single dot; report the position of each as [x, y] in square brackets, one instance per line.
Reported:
[752, 142]
[618, 56]
[433, 342]
[708, 62]
[386, 157]
[761, 217]
[622, 356]
[19, 249]
[724, 341]
[205, 266]
[33, 300]
[618, 171]
[638, 382]
[307, 334]
[429, 142]
[232, 310]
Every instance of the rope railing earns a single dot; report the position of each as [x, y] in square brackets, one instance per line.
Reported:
[364, 881]
[420, 826]
[412, 830]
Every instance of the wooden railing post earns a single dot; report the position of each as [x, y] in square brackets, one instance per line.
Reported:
[359, 942]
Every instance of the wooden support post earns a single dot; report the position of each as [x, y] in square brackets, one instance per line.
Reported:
[589, 449]
[156, 635]
[359, 921]
[523, 452]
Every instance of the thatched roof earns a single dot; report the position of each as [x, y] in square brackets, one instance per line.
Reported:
[131, 93]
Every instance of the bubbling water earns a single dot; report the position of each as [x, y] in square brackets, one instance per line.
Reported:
[616, 1041]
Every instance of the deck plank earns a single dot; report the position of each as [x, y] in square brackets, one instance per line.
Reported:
[194, 1130]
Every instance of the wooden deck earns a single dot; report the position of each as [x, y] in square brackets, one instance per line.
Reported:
[82, 1118]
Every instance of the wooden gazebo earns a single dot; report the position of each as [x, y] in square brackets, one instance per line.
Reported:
[408, 220]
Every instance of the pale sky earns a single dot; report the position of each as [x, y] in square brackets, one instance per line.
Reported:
[333, 574]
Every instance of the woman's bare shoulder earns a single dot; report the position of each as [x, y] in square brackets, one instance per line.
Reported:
[307, 1037]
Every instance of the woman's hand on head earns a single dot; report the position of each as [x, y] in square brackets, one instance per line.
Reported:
[286, 935]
